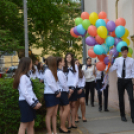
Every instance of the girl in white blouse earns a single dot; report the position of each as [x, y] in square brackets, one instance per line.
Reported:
[40, 72]
[64, 101]
[89, 73]
[51, 93]
[71, 72]
[33, 73]
[28, 101]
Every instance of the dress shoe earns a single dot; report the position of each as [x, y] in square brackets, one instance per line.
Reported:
[123, 118]
[61, 131]
[106, 110]
[73, 127]
[84, 120]
[79, 117]
[92, 105]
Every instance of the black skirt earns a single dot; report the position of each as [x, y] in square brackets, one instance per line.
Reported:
[73, 96]
[28, 114]
[80, 95]
[64, 99]
[51, 100]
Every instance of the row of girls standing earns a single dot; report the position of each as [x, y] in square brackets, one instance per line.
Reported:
[60, 82]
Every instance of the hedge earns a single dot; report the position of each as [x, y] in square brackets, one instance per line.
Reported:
[9, 108]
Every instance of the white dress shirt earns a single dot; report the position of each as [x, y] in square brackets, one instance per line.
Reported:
[62, 81]
[26, 91]
[81, 82]
[88, 73]
[51, 85]
[33, 75]
[40, 75]
[118, 65]
[72, 77]
[98, 74]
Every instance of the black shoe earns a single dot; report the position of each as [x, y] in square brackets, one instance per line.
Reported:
[79, 117]
[106, 110]
[123, 118]
[61, 131]
[69, 127]
[100, 109]
[92, 105]
[76, 121]
[87, 103]
[73, 127]
[132, 120]
[84, 120]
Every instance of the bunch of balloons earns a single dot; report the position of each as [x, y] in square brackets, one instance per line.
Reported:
[105, 36]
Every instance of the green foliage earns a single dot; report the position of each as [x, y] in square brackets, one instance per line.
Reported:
[9, 108]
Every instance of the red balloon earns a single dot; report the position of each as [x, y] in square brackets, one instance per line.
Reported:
[92, 30]
[101, 57]
[85, 15]
[120, 21]
[106, 20]
[72, 33]
[100, 66]
[99, 40]
[112, 34]
[102, 15]
[91, 53]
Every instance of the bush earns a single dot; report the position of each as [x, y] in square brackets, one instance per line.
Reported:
[9, 107]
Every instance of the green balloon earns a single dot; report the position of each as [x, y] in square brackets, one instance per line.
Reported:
[78, 21]
[86, 24]
[130, 50]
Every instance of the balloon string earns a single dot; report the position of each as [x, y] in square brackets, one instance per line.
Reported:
[109, 64]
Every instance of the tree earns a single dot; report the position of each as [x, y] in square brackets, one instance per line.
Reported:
[59, 41]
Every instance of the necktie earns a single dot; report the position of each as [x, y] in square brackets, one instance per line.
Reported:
[123, 69]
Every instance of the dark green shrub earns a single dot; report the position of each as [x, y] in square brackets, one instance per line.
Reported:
[9, 108]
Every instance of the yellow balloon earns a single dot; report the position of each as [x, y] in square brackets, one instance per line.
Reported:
[102, 32]
[126, 33]
[126, 40]
[120, 54]
[129, 55]
[93, 18]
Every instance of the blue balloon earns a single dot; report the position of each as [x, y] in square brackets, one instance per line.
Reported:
[100, 22]
[80, 29]
[119, 31]
[98, 49]
[120, 45]
[105, 48]
[110, 41]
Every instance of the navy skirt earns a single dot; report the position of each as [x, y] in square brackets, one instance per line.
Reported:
[64, 99]
[28, 114]
[73, 96]
[51, 100]
[80, 95]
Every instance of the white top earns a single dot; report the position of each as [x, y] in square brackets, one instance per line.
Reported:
[72, 77]
[33, 75]
[26, 91]
[40, 75]
[62, 81]
[88, 73]
[98, 74]
[118, 65]
[81, 82]
[51, 86]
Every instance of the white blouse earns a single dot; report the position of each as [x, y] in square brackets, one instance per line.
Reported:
[26, 91]
[81, 82]
[88, 73]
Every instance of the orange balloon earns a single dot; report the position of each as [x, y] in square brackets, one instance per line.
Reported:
[120, 21]
[112, 34]
[100, 66]
[91, 53]
[102, 15]
[106, 20]
[99, 40]
[92, 30]
[101, 57]
[72, 33]
[85, 15]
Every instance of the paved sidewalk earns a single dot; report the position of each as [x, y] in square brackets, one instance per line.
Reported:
[104, 122]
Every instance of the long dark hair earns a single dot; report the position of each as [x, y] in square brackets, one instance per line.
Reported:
[80, 71]
[59, 59]
[65, 68]
[39, 66]
[52, 65]
[23, 68]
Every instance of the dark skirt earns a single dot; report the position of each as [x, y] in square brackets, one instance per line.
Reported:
[80, 95]
[28, 114]
[64, 99]
[51, 100]
[73, 96]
